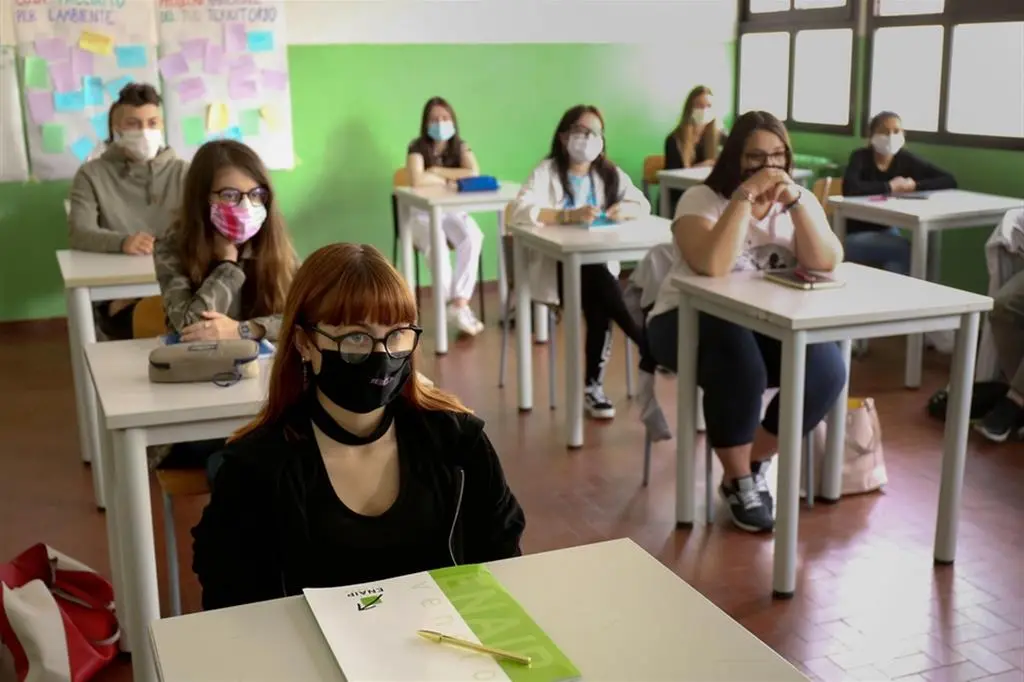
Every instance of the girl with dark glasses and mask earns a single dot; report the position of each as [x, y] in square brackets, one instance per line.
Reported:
[355, 470]
[748, 215]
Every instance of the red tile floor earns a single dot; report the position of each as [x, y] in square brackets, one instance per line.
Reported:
[870, 605]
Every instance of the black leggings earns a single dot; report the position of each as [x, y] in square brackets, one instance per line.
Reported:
[735, 366]
[602, 304]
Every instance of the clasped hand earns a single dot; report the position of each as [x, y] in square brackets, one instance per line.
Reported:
[770, 185]
[585, 215]
[213, 327]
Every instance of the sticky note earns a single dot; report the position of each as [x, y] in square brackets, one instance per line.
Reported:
[233, 133]
[37, 75]
[213, 60]
[53, 138]
[249, 122]
[62, 77]
[195, 48]
[269, 115]
[81, 63]
[99, 125]
[82, 148]
[131, 56]
[69, 102]
[260, 41]
[40, 106]
[234, 38]
[173, 65]
[52, 49]
[191, 89]
[193, 129]
[242, 67]
[242, 89]
[97, 43]
[275, 80]
[114, 87]
[217, 116]
[92, 87]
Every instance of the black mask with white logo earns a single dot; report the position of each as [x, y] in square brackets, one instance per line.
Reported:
[363, 387]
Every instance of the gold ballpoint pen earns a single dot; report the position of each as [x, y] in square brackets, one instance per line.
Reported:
[441, 638]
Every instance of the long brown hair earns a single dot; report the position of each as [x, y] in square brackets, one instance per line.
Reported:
[686, 132]
[424, 144]
[726, 176]
[341, 284]
[605, 169]
[269, 270]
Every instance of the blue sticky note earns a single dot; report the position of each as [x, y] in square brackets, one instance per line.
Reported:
[99, 125]
[602, 221]
[131, 56]
[114, 87]
[260, 41]
[92, 86]
[233, 133]
[82, 148]
[69, 102]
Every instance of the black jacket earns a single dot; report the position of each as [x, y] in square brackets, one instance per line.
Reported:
[253, 542]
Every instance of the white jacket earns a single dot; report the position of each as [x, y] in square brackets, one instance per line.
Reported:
[543, 189]
[1004, 256]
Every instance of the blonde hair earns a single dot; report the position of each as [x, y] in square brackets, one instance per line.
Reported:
[686, 132]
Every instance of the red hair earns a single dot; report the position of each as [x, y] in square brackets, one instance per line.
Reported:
[342, 284]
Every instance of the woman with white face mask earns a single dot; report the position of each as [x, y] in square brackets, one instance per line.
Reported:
[126, 198]
[697, 137]
[885, 167]
[577, 185]
[437, 158]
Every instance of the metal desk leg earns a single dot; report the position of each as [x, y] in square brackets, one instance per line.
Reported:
[122, 601]
[573, 352]
[502, 275]
[791, 417]
[918, 269]
[832, 462]
[664, 204]
[407, 254]
[81, 332]
[524, 351]
[686, 413]
[438, 251]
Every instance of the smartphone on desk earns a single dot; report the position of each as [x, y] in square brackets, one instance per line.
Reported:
[799, 278]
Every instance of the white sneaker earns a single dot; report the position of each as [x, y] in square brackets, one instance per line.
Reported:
[596, 403]
[464, 320]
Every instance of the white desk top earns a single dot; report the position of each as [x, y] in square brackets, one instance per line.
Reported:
[870, 296]
[614, 610]
[87, 269]
[947, 203]
[439, 196]
[643, 233]
[700, 174]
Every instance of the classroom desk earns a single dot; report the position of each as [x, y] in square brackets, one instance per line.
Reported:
[437, 201]
[611, 607]
[574, 246]
[89, 278]
[942, 210]
[798, 318]
[684, 178]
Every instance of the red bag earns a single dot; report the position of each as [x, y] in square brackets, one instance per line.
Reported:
[57, 618]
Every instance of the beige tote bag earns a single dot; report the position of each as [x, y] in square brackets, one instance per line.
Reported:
[863, 460]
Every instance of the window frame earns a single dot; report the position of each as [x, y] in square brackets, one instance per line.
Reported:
[793, 21]
[956, 13]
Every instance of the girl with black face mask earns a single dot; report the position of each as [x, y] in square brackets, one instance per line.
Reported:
[355, 470]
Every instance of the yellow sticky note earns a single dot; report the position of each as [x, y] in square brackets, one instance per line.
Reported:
[217, 117]
[270, 117]
[97, 43]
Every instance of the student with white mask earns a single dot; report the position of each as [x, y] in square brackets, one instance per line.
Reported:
[696, 139]
[885, 167]
[437, 158]
[577, 184]
[125, 199]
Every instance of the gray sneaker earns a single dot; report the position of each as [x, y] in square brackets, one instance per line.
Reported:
[746, 507]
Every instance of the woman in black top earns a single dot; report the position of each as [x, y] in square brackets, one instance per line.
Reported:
[885, 167]
[696, 138]
[354, 470]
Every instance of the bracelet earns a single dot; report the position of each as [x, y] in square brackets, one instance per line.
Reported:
[742, 194]
[792, 204]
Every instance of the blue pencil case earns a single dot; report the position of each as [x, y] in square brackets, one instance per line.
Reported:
[266, 348]
[480, 183]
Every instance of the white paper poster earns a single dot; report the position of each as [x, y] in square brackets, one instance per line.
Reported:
[75, 56]
[13, 156]
[225, 70]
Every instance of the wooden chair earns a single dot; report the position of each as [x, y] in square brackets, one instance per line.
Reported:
[401, 179]
[148, 318]
[827, 187]
[177, 483]
[652, 164]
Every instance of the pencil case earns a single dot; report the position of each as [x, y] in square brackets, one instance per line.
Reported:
[480, 183]
[222, 362]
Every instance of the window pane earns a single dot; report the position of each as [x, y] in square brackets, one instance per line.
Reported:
[761, 6]
[986, 80]
[817, 4]
[821, 77]
[911, 93]
[895, 8]
[764, 72]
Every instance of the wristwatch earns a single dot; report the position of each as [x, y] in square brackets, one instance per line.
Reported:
[245, 330]
[792, 204]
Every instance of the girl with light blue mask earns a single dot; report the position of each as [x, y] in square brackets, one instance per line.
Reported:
[438, 158]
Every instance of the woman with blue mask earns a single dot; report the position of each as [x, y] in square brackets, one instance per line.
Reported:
[437, 158]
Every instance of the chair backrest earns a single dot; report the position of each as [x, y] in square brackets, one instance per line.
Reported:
[827, 187]
[149, 318]
[401, 178]
[653, 164]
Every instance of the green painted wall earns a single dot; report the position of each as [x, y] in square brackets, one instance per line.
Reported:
[357, 106]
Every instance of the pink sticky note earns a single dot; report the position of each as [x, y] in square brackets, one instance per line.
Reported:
[81, 63]
[52, 49]
[213, 60]
[173, 65]
[242, 89]
[63, 77]
[275, 80]
[191, 89]
[234, 38]
[242, 68]
[194, 49]
[40, 106]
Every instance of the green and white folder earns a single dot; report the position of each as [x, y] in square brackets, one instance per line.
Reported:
[371, 630]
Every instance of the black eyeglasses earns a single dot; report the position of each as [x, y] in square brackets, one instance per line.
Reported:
[577, 129]
[760, 158]
[355, 347]
[258, 196]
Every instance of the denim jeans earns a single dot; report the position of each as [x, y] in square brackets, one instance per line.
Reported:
[886, 249]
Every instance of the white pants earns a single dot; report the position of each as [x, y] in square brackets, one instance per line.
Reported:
[466, 240]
